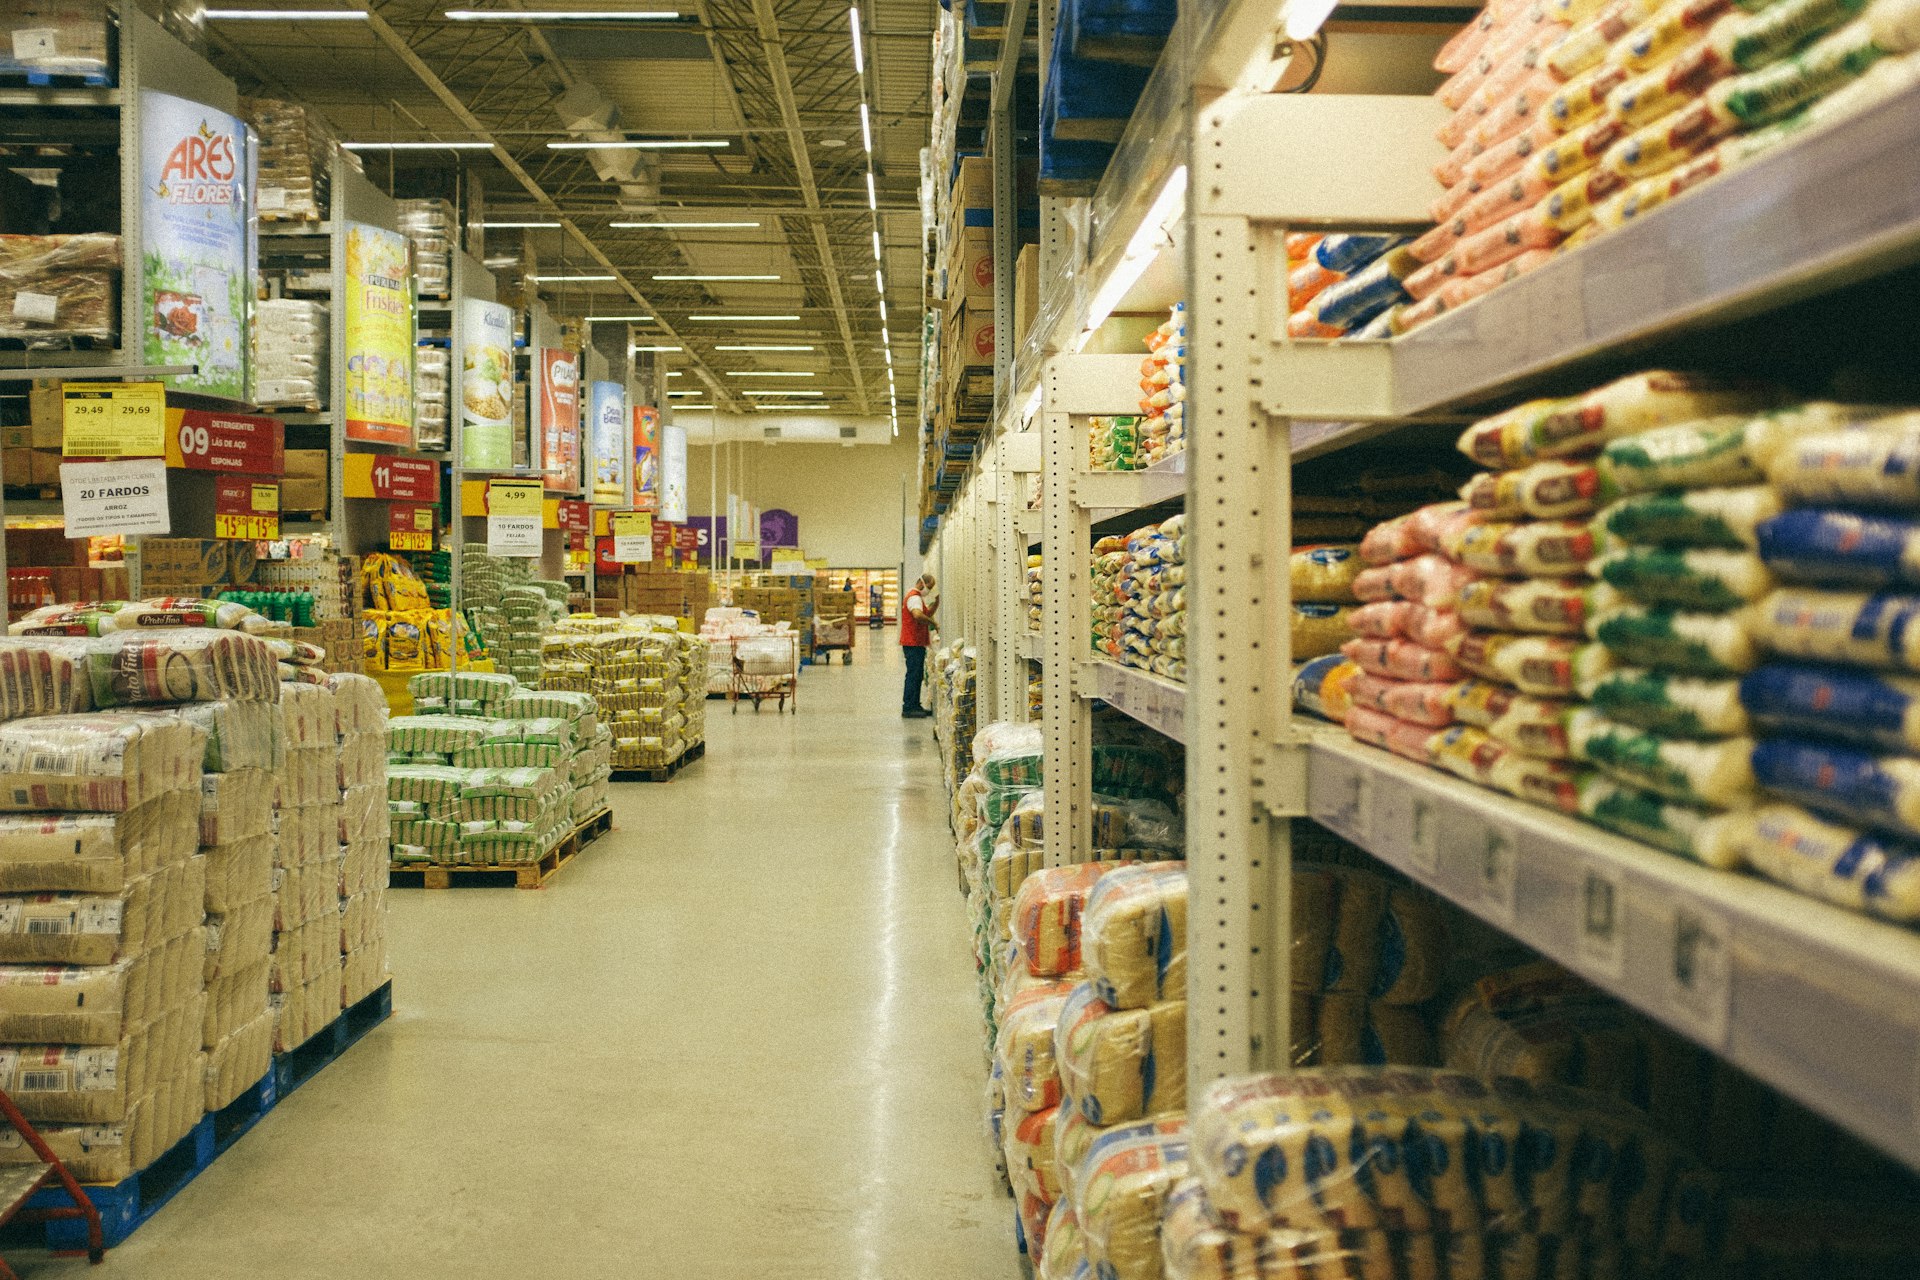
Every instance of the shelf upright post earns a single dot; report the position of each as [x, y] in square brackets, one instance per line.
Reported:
[1238, 673]
[1067, 722]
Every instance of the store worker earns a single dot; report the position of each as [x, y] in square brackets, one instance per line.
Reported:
[916, 621]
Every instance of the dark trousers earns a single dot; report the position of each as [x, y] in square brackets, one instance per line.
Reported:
[916, 676]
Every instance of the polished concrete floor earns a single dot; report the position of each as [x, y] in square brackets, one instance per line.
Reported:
[738, 1038]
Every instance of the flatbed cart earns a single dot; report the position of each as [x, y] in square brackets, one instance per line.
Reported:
[766, 667]
[832, 635]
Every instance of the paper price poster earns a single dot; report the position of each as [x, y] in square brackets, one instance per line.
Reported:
[673, 474]
[607, 443]
[486, 384]
[646, 457]
[560, 418]
[195, 269]
[379, 324]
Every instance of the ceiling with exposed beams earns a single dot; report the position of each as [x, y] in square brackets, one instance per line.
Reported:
[772, 80]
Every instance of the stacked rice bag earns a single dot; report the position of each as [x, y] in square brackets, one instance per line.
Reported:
[1345, 285]
[1574, 116]
[1315, 1173]
[1834, 713]
[1163, 390]
[1367, 954]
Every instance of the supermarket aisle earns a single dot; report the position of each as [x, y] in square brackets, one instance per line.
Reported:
[738, 1037]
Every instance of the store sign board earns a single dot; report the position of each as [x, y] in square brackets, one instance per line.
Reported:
[486, 385]
[513, 517]
[128, 498]
[245, 508]
[194, 265]
[607, 444]
[113, 419]
[560, 418]
[646, 458]
[379, 335]
[633, 537]
[673, 473]
[242, 443]
[389, 479]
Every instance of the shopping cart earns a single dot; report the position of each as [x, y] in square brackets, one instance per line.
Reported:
[766, 667]
[834, 634]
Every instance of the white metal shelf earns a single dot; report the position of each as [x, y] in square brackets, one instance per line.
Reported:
[1821, 1003]
[1154, 701]
[1117, 491]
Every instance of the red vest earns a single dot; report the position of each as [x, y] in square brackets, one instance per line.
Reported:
[913, 631]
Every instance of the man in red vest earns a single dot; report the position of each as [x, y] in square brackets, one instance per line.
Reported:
[916, 624]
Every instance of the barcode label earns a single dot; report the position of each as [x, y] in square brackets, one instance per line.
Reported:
[43, 1081]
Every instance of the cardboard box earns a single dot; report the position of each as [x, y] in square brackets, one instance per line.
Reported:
[300, 493]
[1026, 293]
[970, 267]
[306, 464]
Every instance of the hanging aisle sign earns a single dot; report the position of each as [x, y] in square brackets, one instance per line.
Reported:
[195, 272]
[633, 537]
[113, 419]
[513, 517]
[114, 497]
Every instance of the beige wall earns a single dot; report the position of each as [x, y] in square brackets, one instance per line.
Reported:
[848, 499]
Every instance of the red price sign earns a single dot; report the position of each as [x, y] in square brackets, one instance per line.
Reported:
[390, 479]
[201, 440]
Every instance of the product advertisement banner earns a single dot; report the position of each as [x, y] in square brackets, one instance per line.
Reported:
[673, 474]
[646, 457]
[379, 325]
[559, 373]
[195, 272]
[607, 444]
[486, 385]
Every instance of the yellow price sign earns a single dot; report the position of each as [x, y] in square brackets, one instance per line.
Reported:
[410, 540]
[113, 419]
[249, 525]
[515, 497]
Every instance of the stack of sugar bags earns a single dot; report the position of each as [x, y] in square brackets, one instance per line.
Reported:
[1573, 116]
[1163, 390]
[360, 729]
[1363, 1171]
[1837, 721]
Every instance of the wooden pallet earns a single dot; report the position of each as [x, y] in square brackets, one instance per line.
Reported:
[526, 875]
[687, 757]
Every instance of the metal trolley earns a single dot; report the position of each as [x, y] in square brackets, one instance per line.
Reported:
[766, 667]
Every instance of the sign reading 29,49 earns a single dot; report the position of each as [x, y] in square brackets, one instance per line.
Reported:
[195, 268]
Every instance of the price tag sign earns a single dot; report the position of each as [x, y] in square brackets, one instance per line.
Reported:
[1603, 922]
[1423, 836]
[632, 537]
[114, 497]
[513, 517]
[1700, 974]
[1496, 873]
[113, 419]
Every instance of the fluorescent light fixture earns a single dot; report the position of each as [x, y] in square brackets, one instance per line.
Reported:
[873, 197]
[1302, 18]
[560, 15]
[570, 279]
[713, 277]
[641, 144]
[418, 146]
[731, 319]
[762, 373]
[1147, 242]
[679, 226]
[760, 346]
[284, 15]
[866, 128]
[521, 226]
[859, 58]
[617, 319]
[876, 244]
[783, 391]
[637, 350]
